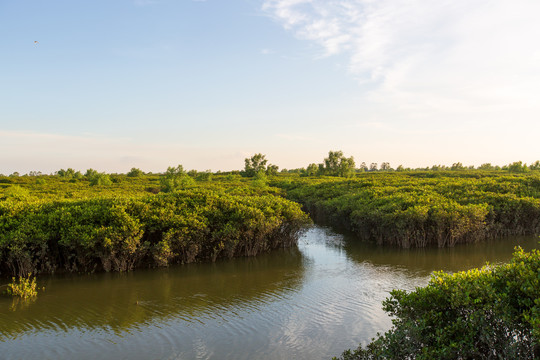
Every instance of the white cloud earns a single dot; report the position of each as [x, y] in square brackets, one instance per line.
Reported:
[423, 59]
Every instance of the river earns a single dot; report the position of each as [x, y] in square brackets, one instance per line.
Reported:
[310, 302]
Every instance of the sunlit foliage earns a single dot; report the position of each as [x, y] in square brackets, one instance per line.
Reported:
[488, 313]
[255, 164]
[23, 287]
[73, 226]
[417, 209]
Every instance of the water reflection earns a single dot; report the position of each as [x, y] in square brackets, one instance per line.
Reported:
[426, 260]
[122, 301]
[310, 302]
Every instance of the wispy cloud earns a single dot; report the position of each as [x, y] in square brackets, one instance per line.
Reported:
[427, 58]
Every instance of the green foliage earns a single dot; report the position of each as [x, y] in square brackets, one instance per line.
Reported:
[232, 177]
[486, 166]
[488, 313]
[535, 165]
[122, 227]
[69, 174]
[385, 166]
[23, 287]
[311, 170]
[272, 170]
[16, 192]
[423, 208]
[518, 167]
[457, 166]
[100, 179]
[90, 173]
[204, 176]
[134, 172]
[255, 164]
[260, 180]
[175, 179]
[338, 165]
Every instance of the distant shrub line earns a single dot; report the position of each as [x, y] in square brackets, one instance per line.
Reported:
[417, 211]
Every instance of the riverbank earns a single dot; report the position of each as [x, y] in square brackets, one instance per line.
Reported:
[123, 233]
[309, 301]
[52, 223]
[422, 209]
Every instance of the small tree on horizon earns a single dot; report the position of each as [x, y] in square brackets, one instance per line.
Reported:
[336, 164]
[255, 164]
[174, 179]
[134, 172]
[518, 167]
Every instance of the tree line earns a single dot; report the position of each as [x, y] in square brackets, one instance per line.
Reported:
[336, 164]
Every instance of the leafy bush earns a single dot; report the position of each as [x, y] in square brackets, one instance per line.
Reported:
[488, 313]
[121, 233]
[100, 179]
[204, 176]
[23, 287]
[175, 179]
[421, 209]
[134, 172]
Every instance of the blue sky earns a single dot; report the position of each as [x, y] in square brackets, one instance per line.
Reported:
[153, 83]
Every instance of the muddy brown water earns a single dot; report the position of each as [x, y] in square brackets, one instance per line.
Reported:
[310, 302]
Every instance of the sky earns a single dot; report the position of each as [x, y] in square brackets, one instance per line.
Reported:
[116, 84]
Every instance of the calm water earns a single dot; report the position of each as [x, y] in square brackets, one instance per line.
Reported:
[307, 303]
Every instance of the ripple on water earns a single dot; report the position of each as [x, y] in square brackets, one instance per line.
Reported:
[307, 304]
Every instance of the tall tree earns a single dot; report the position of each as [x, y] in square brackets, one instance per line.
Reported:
[336, 164]
[518, 167]
[457, 166]
[312, 170]
[255, 164]
[385, 166]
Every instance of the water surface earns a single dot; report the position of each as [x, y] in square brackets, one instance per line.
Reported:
[310, 302]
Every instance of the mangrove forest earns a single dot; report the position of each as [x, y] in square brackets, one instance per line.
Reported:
[90, 222]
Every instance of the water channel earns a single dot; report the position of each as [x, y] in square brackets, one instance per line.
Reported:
[310, 302]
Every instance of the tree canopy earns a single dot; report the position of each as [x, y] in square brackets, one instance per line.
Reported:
[336, 164]
[255, 164]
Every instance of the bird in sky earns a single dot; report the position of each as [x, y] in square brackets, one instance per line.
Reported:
[36, 42]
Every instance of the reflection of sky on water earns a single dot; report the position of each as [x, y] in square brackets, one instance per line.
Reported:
[307, 303]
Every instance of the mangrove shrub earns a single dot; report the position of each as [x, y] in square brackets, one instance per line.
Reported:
[488, 313]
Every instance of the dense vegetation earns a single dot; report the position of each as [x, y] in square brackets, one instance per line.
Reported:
[94, 220]
[49, 223]
[78, 222]
[489, 313]
[416, 209]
